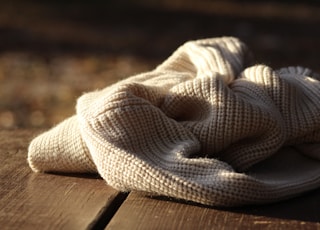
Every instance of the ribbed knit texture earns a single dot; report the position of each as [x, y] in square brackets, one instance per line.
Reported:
[204, 126]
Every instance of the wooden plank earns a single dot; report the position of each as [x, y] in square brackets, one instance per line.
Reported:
[45, 201]
[142, 212]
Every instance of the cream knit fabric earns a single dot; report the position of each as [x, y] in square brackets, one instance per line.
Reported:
[204, 126]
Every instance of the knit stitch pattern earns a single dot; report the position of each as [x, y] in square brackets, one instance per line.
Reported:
[205, 126]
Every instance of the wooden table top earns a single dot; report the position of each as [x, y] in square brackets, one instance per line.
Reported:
[49, 201]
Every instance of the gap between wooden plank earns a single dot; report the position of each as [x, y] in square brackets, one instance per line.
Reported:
[104, 217]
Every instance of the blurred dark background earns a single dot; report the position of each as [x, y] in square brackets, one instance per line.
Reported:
[53, 51]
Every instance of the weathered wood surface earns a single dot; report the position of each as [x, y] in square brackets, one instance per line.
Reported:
[142, 212]
[44, 201]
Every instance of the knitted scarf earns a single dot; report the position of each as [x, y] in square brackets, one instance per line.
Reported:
[205, 126]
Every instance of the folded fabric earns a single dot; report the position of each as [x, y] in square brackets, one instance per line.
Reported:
[205, 126]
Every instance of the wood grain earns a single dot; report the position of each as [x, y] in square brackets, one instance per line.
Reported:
[45, 201]
[141, 212]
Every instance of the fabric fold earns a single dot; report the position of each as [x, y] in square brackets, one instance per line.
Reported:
[61, 149]
[204, 126]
